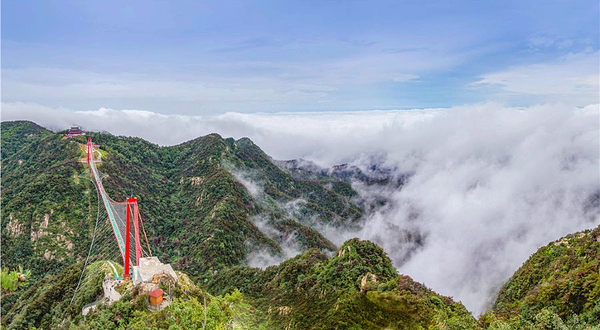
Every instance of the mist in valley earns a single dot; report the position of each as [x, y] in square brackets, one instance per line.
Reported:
[483, 186]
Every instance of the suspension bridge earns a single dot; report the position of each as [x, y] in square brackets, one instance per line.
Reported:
[118, 236]
[120, 215]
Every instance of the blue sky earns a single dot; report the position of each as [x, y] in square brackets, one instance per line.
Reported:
[201, 57]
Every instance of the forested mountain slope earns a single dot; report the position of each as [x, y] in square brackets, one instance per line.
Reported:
[47, 207]
[559, 283]
[16, 134]
[211, 203]
[203, 200]
[356, 289]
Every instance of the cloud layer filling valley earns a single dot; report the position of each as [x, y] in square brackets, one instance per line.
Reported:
[490, 184]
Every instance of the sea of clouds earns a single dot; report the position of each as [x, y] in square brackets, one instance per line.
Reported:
[490, 184]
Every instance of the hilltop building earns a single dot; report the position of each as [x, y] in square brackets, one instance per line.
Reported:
[74, 131]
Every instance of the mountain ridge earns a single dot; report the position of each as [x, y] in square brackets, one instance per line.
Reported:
[179, 188]
[210, 204]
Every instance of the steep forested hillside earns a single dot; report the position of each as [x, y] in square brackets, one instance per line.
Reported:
[47, 207]
[560, 283]
[17, 134]
[205, 199]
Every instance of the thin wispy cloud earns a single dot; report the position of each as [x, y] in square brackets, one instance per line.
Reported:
[244, 86]
[213, 57]
[573, 78]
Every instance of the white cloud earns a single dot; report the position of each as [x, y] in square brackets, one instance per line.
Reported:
[572, 79]
[50, 86]
[240, 85]
[404, 77]
[491, 184]
[263, 258]
[545, 42]
[254, 188]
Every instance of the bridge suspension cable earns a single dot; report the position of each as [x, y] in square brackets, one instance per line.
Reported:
[118, 222]
[120, 215]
